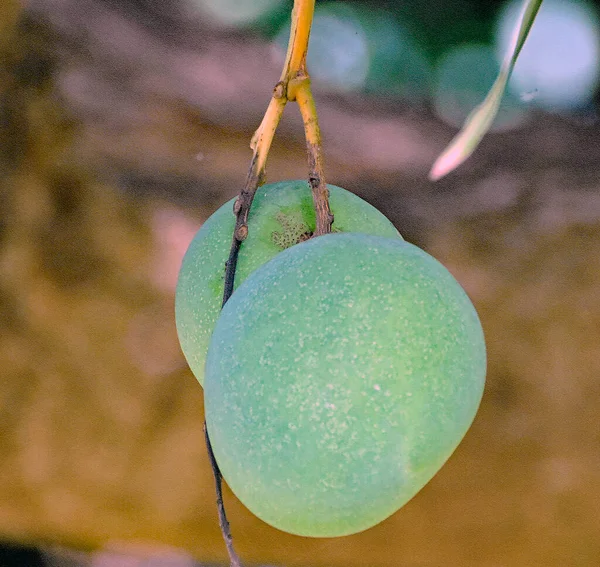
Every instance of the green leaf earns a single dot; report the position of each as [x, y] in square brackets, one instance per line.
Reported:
[480, 120]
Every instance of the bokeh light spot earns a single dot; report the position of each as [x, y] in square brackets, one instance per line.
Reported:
[560, 59]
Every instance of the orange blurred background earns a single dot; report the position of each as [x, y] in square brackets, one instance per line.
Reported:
[122, 127]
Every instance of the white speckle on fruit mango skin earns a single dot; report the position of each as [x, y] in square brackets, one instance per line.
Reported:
[340, 377]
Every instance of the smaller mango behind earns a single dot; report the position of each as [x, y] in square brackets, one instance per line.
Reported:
[281, 216]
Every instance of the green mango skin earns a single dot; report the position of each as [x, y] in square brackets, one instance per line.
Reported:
[340, 376]
[281, 215]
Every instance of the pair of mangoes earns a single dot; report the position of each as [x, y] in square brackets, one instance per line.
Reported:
[342, 372]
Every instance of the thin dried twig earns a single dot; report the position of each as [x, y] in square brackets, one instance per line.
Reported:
[234, 560]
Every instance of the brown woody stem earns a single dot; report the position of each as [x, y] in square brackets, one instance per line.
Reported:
[316, 176]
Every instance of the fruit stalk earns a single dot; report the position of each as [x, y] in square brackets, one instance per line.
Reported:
[261, 144]
[316, 176]
[296, 79]
[293, 85]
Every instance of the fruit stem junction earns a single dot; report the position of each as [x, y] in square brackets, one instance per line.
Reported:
[294, 85]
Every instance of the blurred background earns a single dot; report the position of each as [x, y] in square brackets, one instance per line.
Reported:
[125, 123]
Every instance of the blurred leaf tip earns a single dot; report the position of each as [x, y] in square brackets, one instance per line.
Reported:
[480, 120]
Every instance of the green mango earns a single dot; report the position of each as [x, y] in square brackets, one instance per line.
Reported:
[340, 376]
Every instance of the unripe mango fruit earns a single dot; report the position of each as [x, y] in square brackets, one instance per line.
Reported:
[282, 215]
[340, 376]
